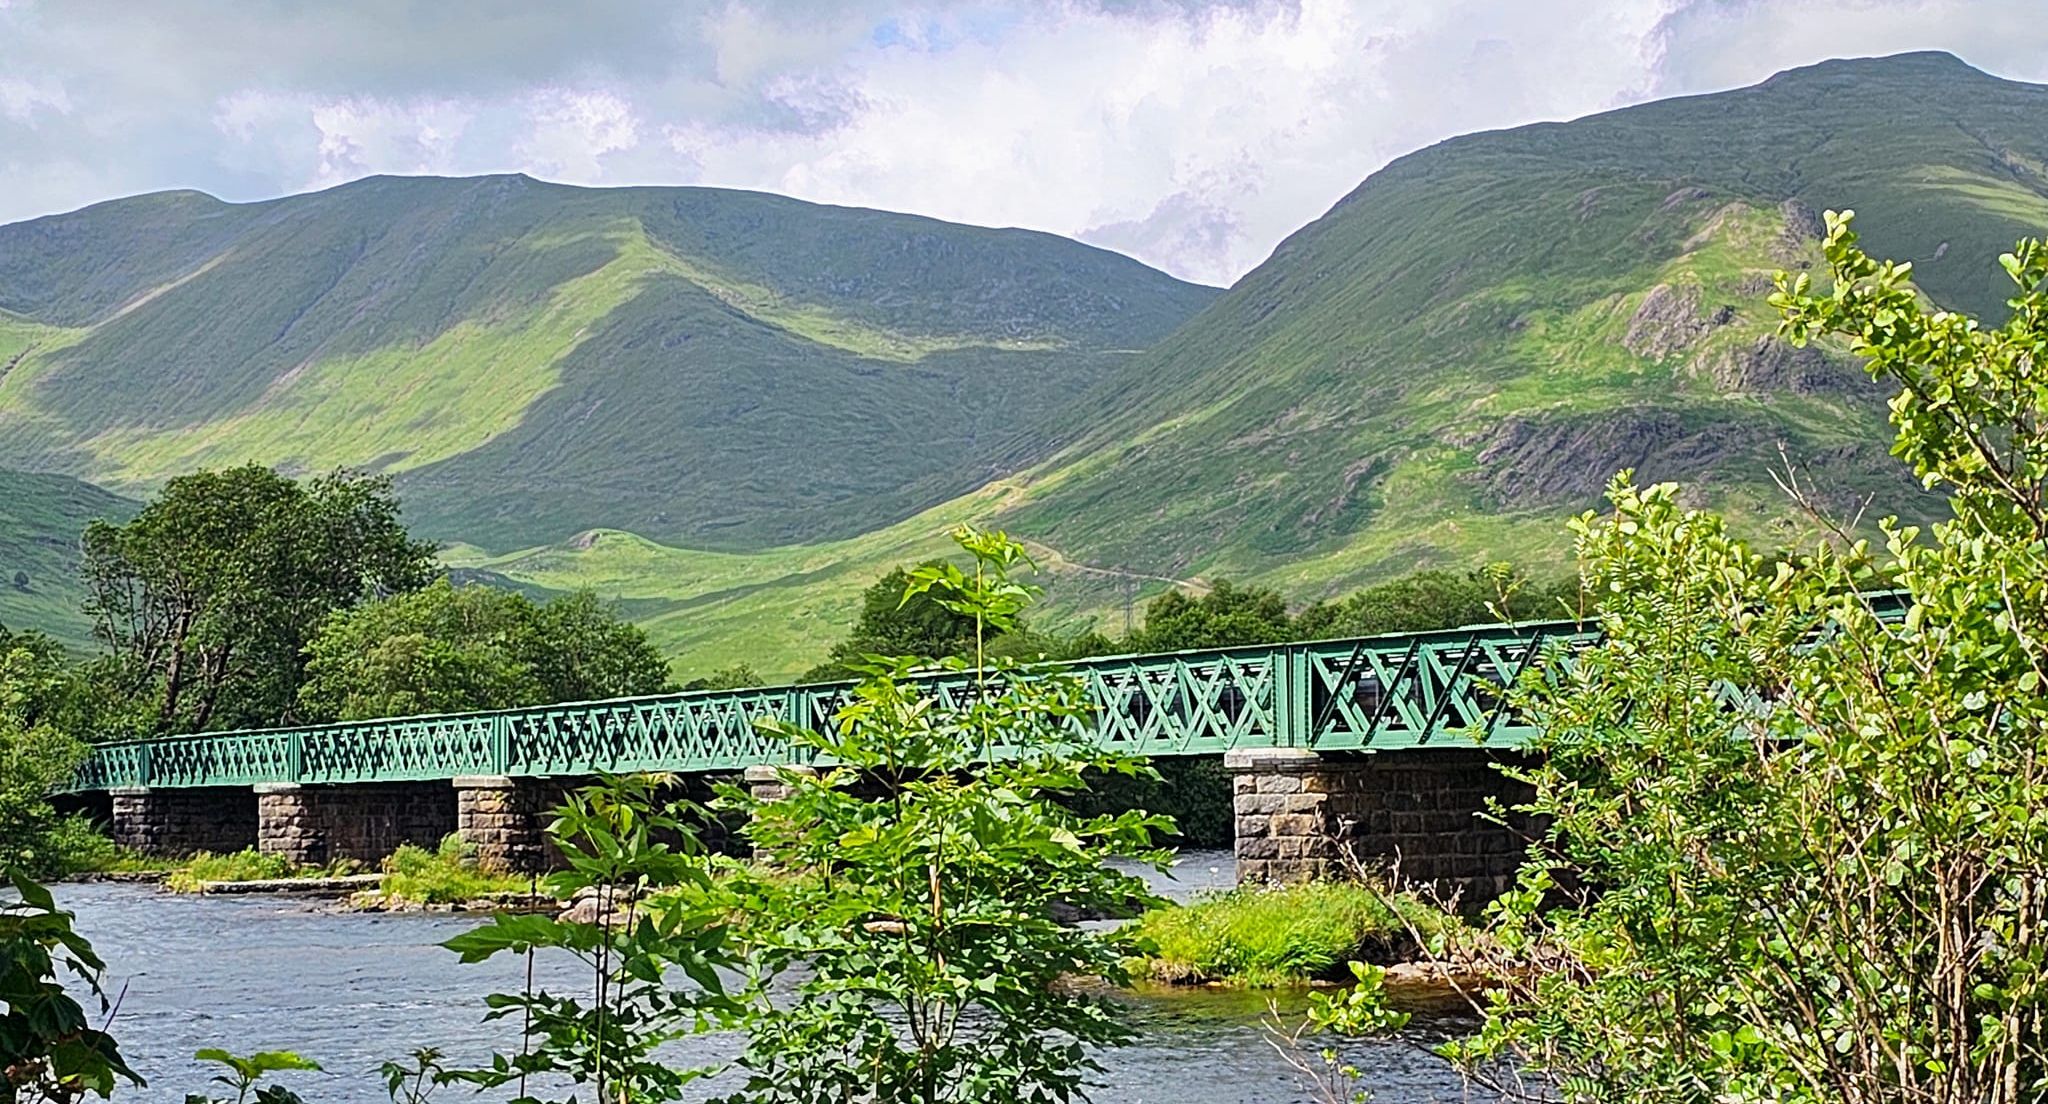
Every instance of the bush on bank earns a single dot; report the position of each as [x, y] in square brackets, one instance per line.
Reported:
[447, 875]
[1259, 936]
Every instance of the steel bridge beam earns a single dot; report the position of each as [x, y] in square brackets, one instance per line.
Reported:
[1394, 692]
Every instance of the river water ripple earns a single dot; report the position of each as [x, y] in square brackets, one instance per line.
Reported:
[351, 990]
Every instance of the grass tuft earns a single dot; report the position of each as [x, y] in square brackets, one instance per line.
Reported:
[247, 865]
[446, 875]
[1258, 936]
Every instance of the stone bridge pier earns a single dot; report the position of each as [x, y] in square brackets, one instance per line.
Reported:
[177, 822]
[1416, 817]
[504, 819]
[365, 821]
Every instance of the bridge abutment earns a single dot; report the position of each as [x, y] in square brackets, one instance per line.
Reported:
[172, 823]
[1414, 816]
[505, 820]
[766, 783]
[318, 824]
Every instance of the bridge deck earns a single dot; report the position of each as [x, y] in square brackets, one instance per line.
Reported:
[1384, 692]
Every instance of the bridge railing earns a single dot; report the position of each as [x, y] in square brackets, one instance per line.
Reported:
[1378, 691]
[1371, 693]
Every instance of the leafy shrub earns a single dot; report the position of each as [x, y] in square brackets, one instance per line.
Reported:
[243, 1076]
[652, 947]
[77, 845]
[1194, 791]
[1803, 846]
[35, 757]
[923, 961]
[48, 1048]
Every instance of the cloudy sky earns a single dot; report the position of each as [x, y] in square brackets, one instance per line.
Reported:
[1191, 135]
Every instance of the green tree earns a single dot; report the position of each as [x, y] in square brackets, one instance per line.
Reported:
[1435, 599]
[206, 599]
[440, 649]
[584, 651]
[1227, 616]
[903, 937]
[737, 677]
[895, 622]
[38, 678]
[448, 648]
[36, 757]
[1804, 847]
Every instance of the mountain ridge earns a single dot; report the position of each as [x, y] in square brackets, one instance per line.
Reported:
[463, 334]
[1491, 278]
[1458, 354]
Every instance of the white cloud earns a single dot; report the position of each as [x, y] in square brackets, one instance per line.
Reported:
[1711, 44]
[22, 99]
[359, 136]
[1192, 135]
[569, 133]
[1197, 142]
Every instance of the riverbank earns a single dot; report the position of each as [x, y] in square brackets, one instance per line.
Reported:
[1209, 934]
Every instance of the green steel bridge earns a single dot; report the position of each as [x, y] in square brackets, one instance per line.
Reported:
[1392, 692]
[1386, 692]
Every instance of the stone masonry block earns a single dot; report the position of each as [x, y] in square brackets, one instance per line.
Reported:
[1297, 810]
[1296, 824]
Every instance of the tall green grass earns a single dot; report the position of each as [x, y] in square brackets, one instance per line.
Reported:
[446, 875]
[248, 865]
[1258, 936]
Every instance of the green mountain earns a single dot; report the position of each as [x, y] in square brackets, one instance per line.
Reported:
[41, 517]
[727, 369]
[734, 411]
[1471, 342]
[1456, 357]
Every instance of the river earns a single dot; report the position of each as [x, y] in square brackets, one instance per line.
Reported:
[351, 990]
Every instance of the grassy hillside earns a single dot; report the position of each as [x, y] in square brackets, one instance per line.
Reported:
[726, 368]
[733, 411]
[41, 517]
[1465, 347]
[1462, 351]
[777, 610]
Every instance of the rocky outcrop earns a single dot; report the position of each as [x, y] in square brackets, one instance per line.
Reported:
[1683, 196]
[338, 886]
[1771, 364]
[1803, 228]
[610, 905]
[1546, 461]
[1670, 321]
